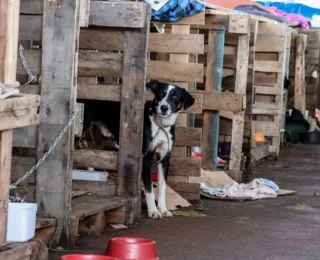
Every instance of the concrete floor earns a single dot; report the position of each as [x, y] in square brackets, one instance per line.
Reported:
[280, 229]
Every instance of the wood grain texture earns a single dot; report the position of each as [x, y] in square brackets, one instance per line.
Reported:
[187, 136]
[58, 89]
[175, 71]
[240, 88]
[9, 30]
[96, 158]
[299, 81]
[99, 92]
[118, 14]
[185, 166]
[132, 109]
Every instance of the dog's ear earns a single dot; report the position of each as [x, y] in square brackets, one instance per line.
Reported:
[188, 100]
[152, 85]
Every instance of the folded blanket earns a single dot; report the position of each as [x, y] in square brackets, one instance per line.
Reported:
[257, 189]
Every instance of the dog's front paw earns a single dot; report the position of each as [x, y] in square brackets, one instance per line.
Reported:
[166, 214]
[154, 215]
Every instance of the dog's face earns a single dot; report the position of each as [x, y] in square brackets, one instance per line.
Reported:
[169, 99]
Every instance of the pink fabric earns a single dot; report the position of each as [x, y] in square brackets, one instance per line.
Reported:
[293, 18]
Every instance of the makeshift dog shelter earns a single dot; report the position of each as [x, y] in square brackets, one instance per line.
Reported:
[16, 110]
[49, 32]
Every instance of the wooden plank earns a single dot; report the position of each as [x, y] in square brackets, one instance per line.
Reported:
[175, 71]
[84, 13]
[30, 28]
[197, 19]
[23, 101]
[31, 6]
[96, 158]
[272, 29]
[238, 23]
[118, 14]
[187, 136]
[299, 81]
[11, 121]
[213, 84]
[185, 166]
[263, 90]
[240, 88]
[267, 128]
[225, 101]
[9, 30]
[58, 89]
[99, 92]
[132, 110]
[265, 43]
[108, 39]
[185, 187]
[268, 66]
[100, 64]
[176, 43]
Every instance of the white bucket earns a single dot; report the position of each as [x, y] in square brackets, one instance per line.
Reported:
[21, 223]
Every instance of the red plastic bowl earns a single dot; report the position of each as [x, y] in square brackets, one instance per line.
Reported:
[129, 248]
[87, 257]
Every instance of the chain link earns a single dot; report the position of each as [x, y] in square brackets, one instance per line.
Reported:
[52, 147]
[32, 78]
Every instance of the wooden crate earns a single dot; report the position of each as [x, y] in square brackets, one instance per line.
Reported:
[269, 71]
[312, 69]
[60, 63]
[225, 53]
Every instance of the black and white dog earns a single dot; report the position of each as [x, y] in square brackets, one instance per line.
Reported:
[160, 116]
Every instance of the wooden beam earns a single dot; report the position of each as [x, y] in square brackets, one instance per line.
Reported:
[58, 88]
[96, 158]
[175, 71]
[132, 109]
[187, 136]
[240, 88]
[185, 166]
[213, 85]
[9, 30]
[225, 101]
[299, 80]
[30, 28]
[99, 92]
[84, 13]
[31, 7]
[118, 14]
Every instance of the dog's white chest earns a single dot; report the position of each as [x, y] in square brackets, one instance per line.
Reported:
[161, 140]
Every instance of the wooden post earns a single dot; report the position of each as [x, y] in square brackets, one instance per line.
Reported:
[299, 81]
[58, 88]
[213, 83]
[240, 88]
[132, 110]
[9, 30]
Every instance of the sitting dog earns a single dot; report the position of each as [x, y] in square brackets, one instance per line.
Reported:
[160, 116]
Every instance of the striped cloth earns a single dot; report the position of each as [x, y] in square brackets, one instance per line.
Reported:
[174, 10]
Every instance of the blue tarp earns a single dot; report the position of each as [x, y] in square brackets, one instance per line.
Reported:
[293, 8]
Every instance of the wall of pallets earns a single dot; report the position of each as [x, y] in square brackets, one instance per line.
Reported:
[270, 67]
[312, 69]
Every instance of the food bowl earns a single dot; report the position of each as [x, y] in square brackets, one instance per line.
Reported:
[87, 257]
[129, 248]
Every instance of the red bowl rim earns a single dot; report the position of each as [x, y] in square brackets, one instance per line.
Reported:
[65, 257]
[139, 240]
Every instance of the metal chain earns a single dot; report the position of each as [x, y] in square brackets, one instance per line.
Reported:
[32, 78]
[52, 147]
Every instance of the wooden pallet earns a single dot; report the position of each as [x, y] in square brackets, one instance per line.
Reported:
[269, 73]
